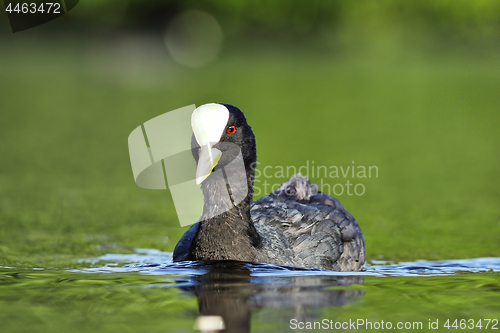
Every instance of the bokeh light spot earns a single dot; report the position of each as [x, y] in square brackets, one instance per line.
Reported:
[194, 38]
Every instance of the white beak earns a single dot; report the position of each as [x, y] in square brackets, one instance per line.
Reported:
[208, 122]
[209, 157]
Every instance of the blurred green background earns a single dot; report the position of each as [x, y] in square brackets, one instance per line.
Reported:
[409, 87]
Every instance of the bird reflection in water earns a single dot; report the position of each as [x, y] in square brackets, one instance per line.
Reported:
[229, 291]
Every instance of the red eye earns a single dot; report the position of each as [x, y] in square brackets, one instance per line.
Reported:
[231, 130]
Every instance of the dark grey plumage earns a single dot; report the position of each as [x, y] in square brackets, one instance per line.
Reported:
[295, 225]
[312, 228]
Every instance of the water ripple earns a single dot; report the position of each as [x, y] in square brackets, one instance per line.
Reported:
[151, 261]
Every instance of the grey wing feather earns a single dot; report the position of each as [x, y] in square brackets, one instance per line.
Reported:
[315, 226]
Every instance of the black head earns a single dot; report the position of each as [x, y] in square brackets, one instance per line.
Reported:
[231, 135]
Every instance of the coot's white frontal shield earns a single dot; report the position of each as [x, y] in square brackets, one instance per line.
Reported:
[161, 155]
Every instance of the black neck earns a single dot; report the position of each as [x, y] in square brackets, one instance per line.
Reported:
[226, 228]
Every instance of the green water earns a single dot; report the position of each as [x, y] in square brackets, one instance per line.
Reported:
[428, 121]
[151, 299]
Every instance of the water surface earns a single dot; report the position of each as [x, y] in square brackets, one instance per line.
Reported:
[145, 291]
